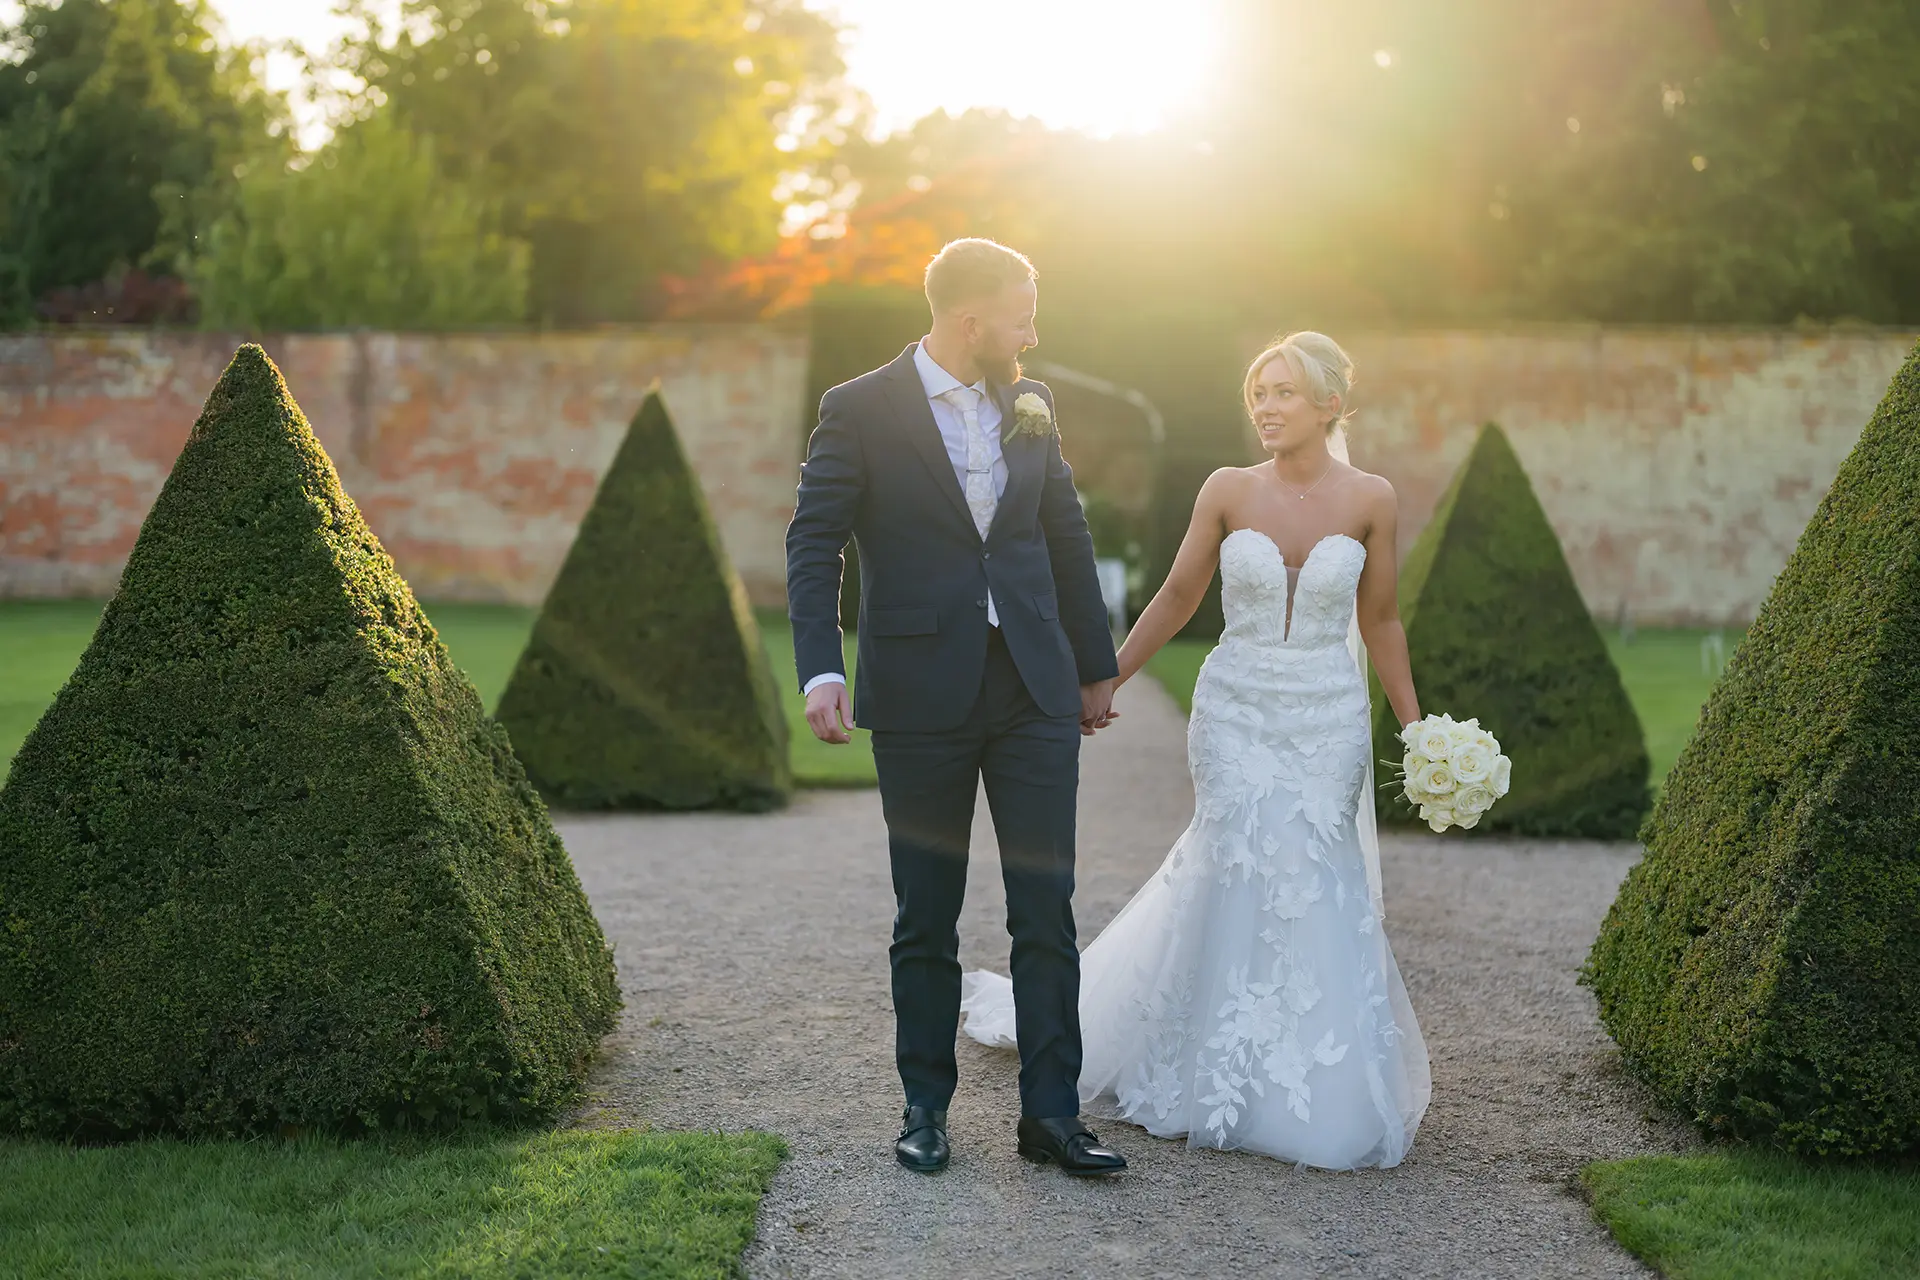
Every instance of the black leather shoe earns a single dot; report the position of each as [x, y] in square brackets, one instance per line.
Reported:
[1069, 1144]
[923, 1140]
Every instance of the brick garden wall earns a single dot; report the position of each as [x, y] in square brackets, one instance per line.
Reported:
[1678, 467]
[473, 456]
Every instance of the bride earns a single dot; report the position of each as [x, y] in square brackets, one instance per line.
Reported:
[1246, 997]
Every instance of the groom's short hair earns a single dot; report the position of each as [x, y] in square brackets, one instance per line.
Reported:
[971, 269]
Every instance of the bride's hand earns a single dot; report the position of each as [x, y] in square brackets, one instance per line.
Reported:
[1096, 706]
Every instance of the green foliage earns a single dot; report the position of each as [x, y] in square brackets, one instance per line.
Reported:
[24, 137]
[622, 139]
[267, 862]
[118, 117]
[1756, 1215]
[645, 684]
[1761, 965]
[854, 331]
[1770, 181]
[574, 1203]
[1497, 159]
[41, 640]
[367, 232]
[1497, 630]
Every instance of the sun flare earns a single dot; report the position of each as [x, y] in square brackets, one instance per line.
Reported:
[1104, 66]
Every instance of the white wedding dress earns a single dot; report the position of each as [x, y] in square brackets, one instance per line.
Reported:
[1246, 997]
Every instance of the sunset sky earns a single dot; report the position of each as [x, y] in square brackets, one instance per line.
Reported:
[1107, 66]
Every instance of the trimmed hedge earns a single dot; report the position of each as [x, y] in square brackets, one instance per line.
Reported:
[1497, 629]
[1761, 965]
[644, 684]
[264, 861]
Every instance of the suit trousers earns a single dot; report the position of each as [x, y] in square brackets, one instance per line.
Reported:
[1030, 763]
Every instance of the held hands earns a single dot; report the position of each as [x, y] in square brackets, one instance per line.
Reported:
[1096, 706]
[830, 712]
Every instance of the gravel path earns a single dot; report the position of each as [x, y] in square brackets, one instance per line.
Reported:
[752, 953]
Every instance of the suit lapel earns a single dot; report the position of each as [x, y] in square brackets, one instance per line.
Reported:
[1022, 455]
[909, 397]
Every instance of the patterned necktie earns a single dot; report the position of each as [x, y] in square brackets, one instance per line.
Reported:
[981, 499]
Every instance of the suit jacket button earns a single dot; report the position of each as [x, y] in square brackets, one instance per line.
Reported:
[980, 604]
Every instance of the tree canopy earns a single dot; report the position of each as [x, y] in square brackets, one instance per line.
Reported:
[113, 114]
[622, 139]
[1394, 161]
[368, 233]
[1378, 162]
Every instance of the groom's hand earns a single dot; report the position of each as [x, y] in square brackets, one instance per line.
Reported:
[829, 713]
[1096, 706]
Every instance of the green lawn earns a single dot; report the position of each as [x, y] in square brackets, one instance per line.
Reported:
[1668, 674]
[1177, 666]
[815, 763]
[1741, 1215]
[41, 640]
[570, 1203]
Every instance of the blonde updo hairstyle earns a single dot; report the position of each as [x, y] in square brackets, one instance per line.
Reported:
[1320, 368]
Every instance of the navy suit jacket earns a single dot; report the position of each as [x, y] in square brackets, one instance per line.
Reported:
[878, 472]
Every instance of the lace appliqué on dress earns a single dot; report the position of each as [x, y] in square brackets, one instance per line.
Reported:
[1246, 997]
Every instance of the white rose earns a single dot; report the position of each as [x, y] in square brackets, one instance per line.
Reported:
[1472, 762]
[1502, 775]
[1030, 402]
[1472, 801]
[1437, 817]
[1458, 736]
[1414, 763]
[1467, 821]
[1434, 780]
[1431, 740]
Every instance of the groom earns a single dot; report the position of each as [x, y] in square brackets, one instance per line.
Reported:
[984, 654]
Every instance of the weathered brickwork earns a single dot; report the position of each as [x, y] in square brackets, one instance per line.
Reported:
[1678, 467]
[472, 456]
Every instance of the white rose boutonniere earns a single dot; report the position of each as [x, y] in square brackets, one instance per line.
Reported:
[1031, 417]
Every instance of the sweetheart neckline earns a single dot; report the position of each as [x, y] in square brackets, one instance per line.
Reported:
[1293, 574]
[1267, 538]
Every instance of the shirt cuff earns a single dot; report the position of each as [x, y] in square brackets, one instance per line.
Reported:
[825, 677]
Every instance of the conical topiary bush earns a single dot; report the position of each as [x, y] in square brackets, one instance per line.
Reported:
[1497, 630]
[1761, 966]
[644, 683]
[264, 861]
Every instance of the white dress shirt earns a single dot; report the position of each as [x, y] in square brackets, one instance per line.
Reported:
[953, 431]
[937, 382]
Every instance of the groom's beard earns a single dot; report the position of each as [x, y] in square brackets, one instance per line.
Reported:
[1005, 372]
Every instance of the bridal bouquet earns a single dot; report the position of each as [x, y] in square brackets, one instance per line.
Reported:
[1453, 771]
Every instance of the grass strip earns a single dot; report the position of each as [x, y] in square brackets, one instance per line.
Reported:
[1750, 1215]
[572, 1203]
